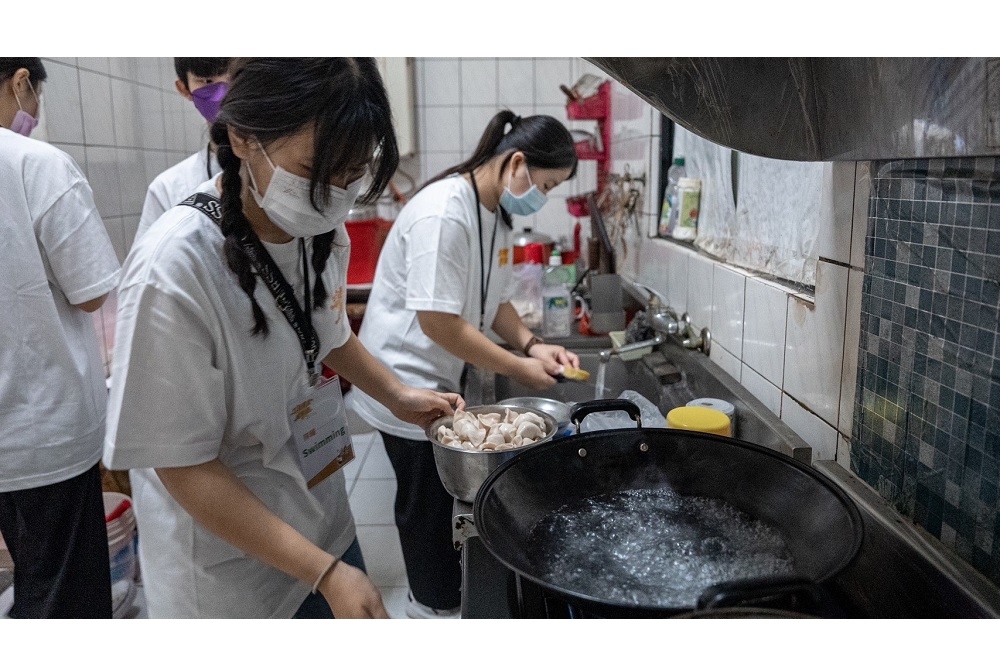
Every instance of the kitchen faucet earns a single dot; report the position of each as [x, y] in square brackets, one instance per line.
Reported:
[664, 321]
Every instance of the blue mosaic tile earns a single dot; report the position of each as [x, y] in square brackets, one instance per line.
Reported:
[927, 412]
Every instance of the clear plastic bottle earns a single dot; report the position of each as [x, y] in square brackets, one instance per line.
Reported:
[557, 300]
[668, 215]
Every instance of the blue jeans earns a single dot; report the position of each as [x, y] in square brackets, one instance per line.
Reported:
[315, 605]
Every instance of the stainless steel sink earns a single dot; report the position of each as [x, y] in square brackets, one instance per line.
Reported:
[619, 376]
[693, 376]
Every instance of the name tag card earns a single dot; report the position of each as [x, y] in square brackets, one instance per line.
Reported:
[319, 431]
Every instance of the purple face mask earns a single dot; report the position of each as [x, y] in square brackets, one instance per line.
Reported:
[23, 122]
[208, 99]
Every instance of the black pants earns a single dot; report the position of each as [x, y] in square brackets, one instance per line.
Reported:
[59, 544]
[423, 517]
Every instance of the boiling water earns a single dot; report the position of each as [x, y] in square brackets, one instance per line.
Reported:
[653, 547]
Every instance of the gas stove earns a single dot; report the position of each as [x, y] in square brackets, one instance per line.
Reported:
[900, 572]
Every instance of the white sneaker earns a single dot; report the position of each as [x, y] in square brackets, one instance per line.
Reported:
[416, 610]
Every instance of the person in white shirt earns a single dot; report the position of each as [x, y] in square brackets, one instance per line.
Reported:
[203, 82]
[443, 277]
[57, 265]
[215, 358]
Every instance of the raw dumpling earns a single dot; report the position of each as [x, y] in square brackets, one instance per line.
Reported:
[490, 419]
[491, 431]
[529, 417]
[529, 430]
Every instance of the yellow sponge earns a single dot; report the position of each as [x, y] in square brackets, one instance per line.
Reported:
[577, 374]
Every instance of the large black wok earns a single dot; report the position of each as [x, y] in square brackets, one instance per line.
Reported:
[820, 524]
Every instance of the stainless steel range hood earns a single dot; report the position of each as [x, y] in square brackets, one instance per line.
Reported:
[826, 108]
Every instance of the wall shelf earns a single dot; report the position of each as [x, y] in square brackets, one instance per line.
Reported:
[597, 107]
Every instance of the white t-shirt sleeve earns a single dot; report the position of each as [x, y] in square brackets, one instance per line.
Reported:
[77, 247]
[167, 403]
[154, 206]
[437, 265]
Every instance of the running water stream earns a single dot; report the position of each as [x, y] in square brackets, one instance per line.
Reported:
[602, 370]
[653, 547]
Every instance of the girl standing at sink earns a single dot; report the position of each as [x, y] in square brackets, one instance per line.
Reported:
[443, 277]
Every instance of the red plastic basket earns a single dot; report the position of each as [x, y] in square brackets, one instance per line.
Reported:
[594, 107]
[585, 151]
[578, 206]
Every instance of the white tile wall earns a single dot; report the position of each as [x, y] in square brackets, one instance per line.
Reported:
[852, 332]
[815, 431]
[836, 211]
[515, 79]
[764, 329]
[862, 189]
[441, 84]
[701, 276]
[728, 291]
[814, 344]
[778, 331]
[123, 122]
[456, 98]
[726, 360]
[479, 82]
[766, 392]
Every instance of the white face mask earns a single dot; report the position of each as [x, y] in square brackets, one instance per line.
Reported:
[288, 205]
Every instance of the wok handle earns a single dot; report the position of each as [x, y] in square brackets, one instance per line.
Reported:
[751, 591]
[581, 410]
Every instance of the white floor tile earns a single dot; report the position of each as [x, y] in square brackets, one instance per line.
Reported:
[376, 465]
[394, 599]
[383, 555]
[371, 502]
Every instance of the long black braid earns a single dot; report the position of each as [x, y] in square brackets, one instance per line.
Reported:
[235, 225]
[270, 98]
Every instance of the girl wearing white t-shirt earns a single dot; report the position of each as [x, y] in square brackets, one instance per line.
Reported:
[443, 277]
[212, 348]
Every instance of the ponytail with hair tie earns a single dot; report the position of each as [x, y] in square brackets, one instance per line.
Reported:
[544, 140]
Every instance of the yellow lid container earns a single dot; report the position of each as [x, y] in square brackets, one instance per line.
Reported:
[696, 418]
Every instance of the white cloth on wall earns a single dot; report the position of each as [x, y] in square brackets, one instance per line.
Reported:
[191, 384]
[55, 253]
[774, 226]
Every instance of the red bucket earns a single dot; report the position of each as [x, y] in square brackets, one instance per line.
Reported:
[367, 239]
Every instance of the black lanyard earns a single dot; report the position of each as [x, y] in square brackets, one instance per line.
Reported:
[484, 275]
[208, 160]
[284, 295]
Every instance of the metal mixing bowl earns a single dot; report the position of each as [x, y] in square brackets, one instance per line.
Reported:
[556, 409]
[463, 471]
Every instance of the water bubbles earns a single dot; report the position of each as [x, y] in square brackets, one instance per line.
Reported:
[653, 547]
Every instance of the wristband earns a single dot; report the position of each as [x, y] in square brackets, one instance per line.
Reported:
[531, 343]
[325, 572]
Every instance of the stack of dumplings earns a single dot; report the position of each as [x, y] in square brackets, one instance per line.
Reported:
[492, 431]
